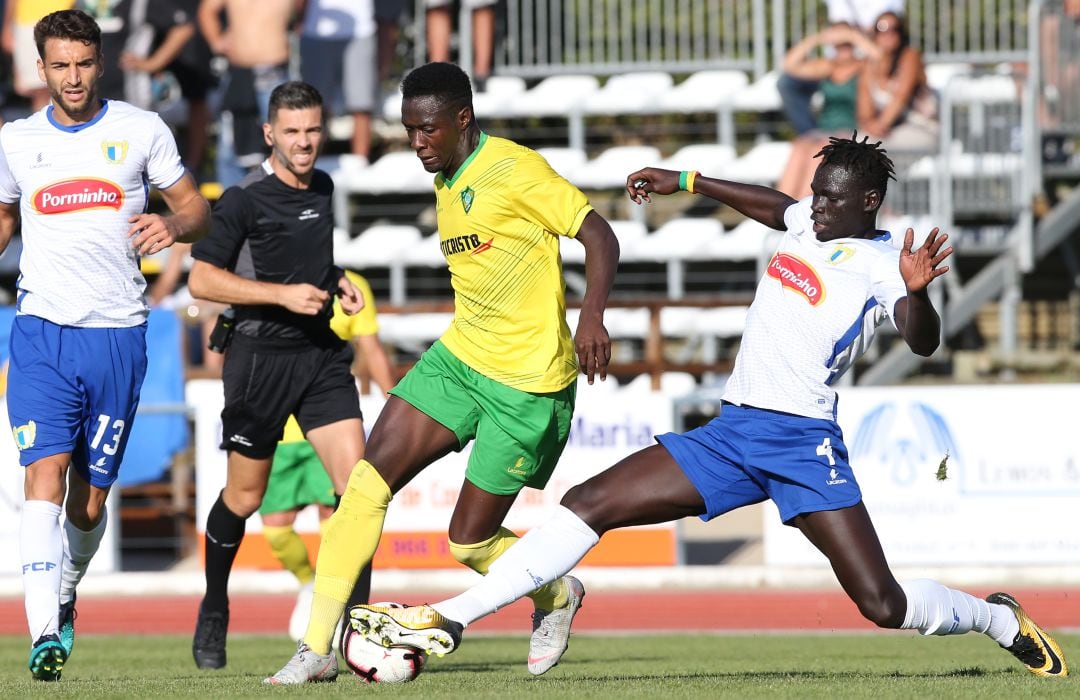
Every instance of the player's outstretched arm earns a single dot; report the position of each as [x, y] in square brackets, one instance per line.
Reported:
[206, 281]
[601, 259]
[762, 204]
[915, 315]
[188, 221]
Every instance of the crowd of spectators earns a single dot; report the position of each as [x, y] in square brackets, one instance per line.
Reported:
[208, 66]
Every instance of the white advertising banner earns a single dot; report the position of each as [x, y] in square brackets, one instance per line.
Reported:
[11, 499]
[1012, 479]
[609, 424]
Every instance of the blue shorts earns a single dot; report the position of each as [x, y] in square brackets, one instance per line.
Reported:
[746, 455]
[75, 390]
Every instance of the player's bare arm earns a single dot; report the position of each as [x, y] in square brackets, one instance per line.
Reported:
[916, 318]
[601, 259]
[188, 221]
[206, 281]
[9, 219]
[763, 204]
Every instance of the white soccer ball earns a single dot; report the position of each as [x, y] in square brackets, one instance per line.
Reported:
[378, 664]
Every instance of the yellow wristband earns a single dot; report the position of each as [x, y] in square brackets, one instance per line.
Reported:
[690, 178]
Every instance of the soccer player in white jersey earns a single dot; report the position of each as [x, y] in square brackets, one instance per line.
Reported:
[833, 278]
[78, 174]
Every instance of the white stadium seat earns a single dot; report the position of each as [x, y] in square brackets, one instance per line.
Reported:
[413, 329]
[426, 253]
[628, 93]
[558, 95]
[398, 171]
[378, 246]
[712, 159]
[497, 98]
[749, 240]
[704, 91]
[762, 164]
[610, 168]
[761, 96]
[565, 161]
[678, 239]
[938, 75]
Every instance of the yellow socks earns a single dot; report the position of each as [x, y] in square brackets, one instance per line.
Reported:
[480, 556]
[288, 547]
[349, 541]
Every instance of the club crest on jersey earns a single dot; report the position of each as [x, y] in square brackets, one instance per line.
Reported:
[25, 435]
[796, 274]
[840, 254]
[468, 195]
[115, 151]
[78, 194]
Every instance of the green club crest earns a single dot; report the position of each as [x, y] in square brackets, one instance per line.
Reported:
[467, 196]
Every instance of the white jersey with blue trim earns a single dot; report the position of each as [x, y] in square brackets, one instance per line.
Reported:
[77, 187]
[814, 312]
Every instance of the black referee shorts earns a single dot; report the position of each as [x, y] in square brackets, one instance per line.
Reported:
[264, 386]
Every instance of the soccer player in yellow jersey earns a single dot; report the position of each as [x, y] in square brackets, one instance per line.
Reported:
[299, 479]
[504, 373]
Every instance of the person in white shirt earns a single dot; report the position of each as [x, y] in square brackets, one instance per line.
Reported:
[832, 279]
[77, 173]
[861, 13]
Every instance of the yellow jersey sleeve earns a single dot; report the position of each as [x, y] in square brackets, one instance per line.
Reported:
[543, 196]
[363, 322]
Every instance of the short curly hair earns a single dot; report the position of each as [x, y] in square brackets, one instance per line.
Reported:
[444, 81]
[71, 25]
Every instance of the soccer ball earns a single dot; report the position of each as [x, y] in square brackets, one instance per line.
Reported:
[378, 664]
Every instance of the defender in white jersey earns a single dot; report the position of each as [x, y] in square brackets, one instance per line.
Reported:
[832, 279]
[78, 175]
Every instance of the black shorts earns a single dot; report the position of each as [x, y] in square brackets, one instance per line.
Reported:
[195, 84]
[264, 386]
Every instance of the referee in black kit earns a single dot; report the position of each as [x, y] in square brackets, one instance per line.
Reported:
[270, 254]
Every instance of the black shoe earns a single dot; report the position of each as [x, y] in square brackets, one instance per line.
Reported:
[1032, 646]
[47, 657]
[208, 647]
[67, 626]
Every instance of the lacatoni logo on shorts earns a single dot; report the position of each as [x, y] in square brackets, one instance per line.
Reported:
[78, 194]
[796, 274]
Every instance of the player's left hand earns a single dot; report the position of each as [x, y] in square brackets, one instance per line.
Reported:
[152, 233]
[352, 301]
[922, 266]
[593, 346]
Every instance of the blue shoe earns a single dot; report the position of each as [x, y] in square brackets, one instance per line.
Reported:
[67, 626]
[47, 658]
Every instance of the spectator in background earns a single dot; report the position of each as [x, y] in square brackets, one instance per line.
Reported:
[181, 50]
[255, 40]
[114, 18]
[440, 23]
[297, 477]
[388, 22]
[339, 56]
[20, 16]
[895, 104]
[862, 13]
[796, 92]
[837, 77]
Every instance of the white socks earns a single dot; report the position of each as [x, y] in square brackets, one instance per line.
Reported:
[934, 609]
[79, 548]
[41, 552]
[543, 555]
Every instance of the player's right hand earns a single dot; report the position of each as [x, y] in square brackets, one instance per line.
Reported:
[642, 182]
[306, 299]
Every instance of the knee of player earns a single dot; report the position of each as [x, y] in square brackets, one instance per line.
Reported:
[884, 608]
[243, 502]
[590, 503]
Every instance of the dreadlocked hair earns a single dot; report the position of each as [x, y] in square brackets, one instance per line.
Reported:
[866, 161]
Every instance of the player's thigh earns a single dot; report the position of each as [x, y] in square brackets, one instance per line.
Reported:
[329, 411]
[360, 75]
[430, 413]
[340, 446]
[44, 401]
[519, 436]
[647, 487]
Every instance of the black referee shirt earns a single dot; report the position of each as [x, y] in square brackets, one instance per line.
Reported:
[265, 230]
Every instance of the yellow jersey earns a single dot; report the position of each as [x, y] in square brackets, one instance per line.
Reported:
[346, 327]
[500, 218]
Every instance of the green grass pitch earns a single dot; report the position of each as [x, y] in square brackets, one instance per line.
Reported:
[891, 665]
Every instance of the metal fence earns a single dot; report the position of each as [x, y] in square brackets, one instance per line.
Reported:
[545, 37]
